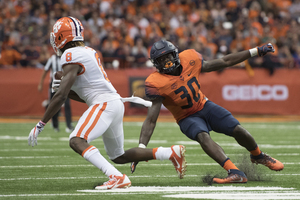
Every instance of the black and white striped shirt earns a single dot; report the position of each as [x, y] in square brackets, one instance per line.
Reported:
[53, 64]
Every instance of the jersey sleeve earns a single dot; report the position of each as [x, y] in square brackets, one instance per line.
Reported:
[151, 90]
[199, 57]
[71, 56]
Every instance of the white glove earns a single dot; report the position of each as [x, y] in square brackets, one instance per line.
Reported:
[32, 139]
[55, 85]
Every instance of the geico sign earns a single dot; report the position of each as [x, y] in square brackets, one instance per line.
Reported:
[253, 92]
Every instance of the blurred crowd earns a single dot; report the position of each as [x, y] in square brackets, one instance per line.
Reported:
[124, 30]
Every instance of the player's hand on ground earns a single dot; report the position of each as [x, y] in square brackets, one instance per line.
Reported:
[32, 138]
[263, 50]
[133, 166]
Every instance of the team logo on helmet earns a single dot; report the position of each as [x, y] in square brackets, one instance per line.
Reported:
[57, 26]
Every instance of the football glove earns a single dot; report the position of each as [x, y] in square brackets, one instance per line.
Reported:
[32, 139]
[55, 84]
[263, 50]
[133, 166]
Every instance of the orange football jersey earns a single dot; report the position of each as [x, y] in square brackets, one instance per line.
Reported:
[182, 95]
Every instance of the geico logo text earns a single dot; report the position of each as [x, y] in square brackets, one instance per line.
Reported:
[255, 92]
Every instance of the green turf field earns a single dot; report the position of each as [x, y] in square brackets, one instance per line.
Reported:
[52, 170]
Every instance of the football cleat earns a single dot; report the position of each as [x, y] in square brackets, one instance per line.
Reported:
[115, 182]
[268, 161]
[178, 159]
[234, 176]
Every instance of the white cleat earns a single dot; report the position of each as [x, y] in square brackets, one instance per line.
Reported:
[178, 159]
[115, 182]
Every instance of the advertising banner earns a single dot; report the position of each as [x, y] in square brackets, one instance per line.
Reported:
[232, 89]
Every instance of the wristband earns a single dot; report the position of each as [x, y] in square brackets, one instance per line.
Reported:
[43, 123]
[253, 52]
[142, 146]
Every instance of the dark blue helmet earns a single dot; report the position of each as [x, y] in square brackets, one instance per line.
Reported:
[164, 56]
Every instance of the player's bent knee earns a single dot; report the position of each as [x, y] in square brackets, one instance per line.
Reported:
[203, 137]
[239, 130]
[76, 144]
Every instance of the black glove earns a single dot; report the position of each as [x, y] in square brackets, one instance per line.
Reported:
[263, 50]
[133, 166]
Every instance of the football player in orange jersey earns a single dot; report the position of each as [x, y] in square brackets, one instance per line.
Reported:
[176, 85]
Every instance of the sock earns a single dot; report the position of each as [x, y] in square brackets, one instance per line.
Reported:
[93, 155]
[227, 164]
[162, 153]
[256, 151]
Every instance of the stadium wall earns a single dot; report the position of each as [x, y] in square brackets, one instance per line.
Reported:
[233, 89]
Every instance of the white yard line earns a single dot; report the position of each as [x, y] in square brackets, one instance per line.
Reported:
[238, 196]
[209, 192]
[32, 157]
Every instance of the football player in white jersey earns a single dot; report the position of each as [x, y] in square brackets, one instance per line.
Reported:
[85, 80]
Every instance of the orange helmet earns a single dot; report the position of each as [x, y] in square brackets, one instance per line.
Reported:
[65, 30]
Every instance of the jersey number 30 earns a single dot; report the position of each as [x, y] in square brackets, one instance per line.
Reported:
[196, 95]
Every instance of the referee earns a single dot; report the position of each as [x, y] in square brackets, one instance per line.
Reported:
[53, 65]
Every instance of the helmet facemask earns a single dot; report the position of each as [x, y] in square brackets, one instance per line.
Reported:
[52, 42]
[164, 56]
[167, 63]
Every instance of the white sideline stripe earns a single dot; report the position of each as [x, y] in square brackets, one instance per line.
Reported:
[212, 192]
[240, 154]
[163, 190]
[271, 126]
[234, 146]
[130, 176]
[188, 189]
[43, 195]
[238, 196]
[288, 154]
[32, 157]
[146, 164]
[9, 137]
[237, 146]
[36, 149]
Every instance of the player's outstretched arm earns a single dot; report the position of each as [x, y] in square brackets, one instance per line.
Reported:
[235, 58]
[150, 121]
[148, 127]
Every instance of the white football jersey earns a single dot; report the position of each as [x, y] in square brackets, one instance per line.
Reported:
[92, 84]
